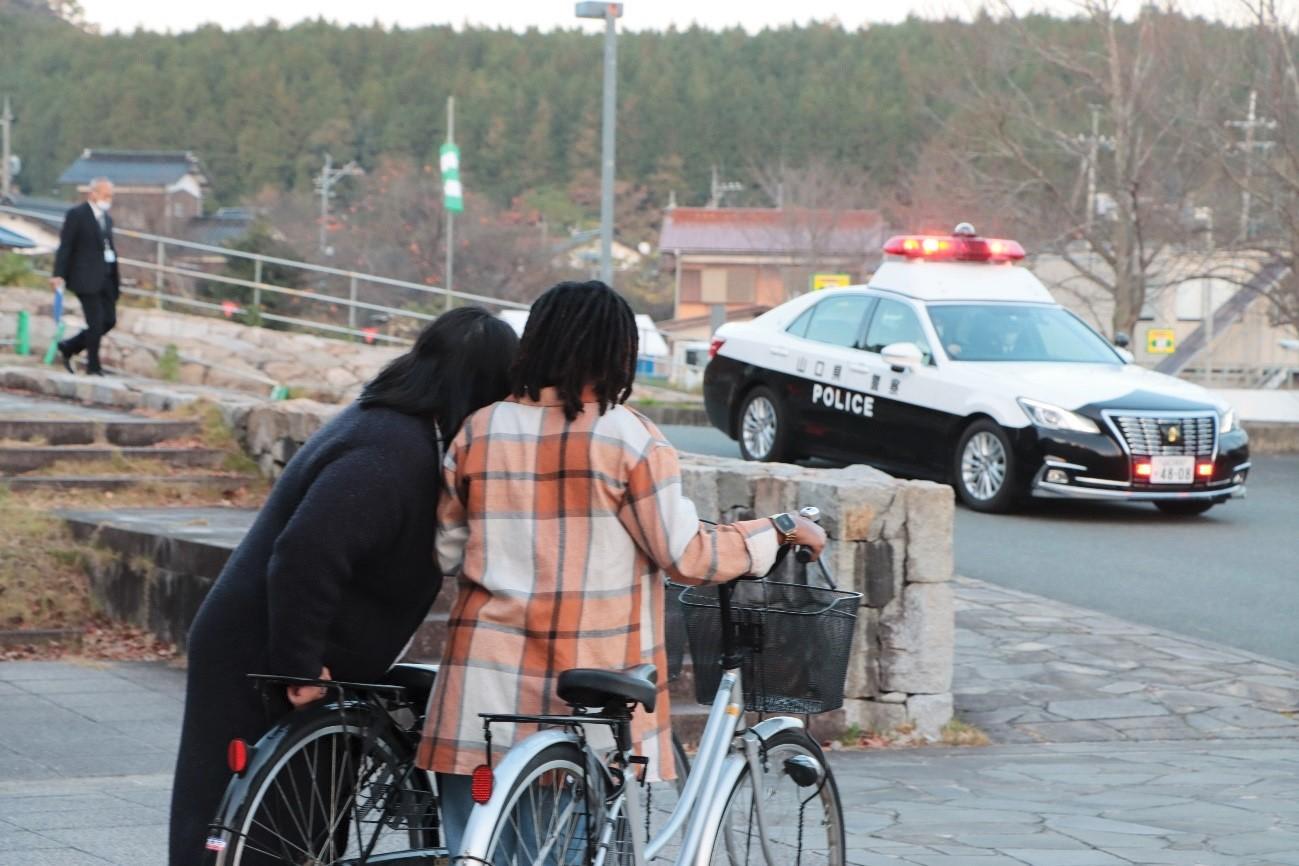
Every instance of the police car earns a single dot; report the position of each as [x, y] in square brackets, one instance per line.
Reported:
[955, 364]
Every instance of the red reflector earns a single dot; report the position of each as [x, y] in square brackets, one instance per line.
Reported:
[480, 788]
[957, 248]
[715, 346]
[237, 756]
[1204, 470]
[1144, 470]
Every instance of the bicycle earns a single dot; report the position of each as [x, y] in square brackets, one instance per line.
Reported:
[335, 784]
[554, 801]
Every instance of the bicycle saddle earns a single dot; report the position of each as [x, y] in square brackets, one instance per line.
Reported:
[416, 679]
[590, 687]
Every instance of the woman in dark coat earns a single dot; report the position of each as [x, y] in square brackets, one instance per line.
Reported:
[338, 570]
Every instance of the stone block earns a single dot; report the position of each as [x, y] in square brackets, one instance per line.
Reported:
[735, 486]
[875, 716]
[930, 518]
[776, 491]
[917, 640]
[929, 713]
[863, 666]
[699, 484]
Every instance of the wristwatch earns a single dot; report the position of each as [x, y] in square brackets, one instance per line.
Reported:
[786, 525]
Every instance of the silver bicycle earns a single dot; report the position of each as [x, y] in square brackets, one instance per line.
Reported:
[761, 794]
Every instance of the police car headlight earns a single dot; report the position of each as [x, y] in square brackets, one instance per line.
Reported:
[1056, 418]
[1227, 421]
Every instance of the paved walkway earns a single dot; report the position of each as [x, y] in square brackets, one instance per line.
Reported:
[1029, 669]
[1163, 750]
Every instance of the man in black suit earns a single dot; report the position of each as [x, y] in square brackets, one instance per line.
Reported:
[87, 263]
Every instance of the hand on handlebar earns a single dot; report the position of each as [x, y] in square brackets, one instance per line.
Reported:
[809, 536]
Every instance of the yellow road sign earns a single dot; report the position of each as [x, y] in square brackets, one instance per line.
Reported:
[828, 281]
[1161, 341]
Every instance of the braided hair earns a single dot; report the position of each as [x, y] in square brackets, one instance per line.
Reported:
[578, 335]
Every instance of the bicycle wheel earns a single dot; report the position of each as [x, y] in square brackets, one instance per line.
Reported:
[547, 813]
[336, 787]
[800, 802]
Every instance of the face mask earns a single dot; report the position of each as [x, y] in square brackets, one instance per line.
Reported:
[106, 205]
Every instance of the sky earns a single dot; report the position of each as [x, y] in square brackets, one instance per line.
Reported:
[164, 15]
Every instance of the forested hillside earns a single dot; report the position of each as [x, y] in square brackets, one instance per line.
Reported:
[260, 105]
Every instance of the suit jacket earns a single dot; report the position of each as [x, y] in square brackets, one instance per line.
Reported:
[80, 259]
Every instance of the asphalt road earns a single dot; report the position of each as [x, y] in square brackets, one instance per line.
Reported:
[1231, 575]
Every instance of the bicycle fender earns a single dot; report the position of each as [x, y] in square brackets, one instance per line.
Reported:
[700, 838]
[768, 728]
[484, 816]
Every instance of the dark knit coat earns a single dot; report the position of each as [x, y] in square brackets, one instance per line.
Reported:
[337, 570]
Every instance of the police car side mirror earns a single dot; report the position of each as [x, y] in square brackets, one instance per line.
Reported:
[1122, 340]
[902, 356]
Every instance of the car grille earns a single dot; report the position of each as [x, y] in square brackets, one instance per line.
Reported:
[1145, 433]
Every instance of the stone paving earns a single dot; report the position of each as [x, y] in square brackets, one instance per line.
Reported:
[1029, 669]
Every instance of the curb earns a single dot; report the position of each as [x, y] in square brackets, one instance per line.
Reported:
[1272, 437]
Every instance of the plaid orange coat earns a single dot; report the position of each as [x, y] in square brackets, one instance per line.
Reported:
[560, 532]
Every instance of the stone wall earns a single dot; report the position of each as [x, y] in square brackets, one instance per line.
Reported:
[891, 540]
[212, 351]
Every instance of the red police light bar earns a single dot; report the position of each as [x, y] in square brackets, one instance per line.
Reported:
[955, 248]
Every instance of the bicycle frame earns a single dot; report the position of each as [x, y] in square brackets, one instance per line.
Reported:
[716, 768]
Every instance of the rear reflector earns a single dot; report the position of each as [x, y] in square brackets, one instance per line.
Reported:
[715, 346]
[480, 788]
[237, 756]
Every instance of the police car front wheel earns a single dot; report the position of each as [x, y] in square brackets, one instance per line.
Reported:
[984, 469]
[763, 426]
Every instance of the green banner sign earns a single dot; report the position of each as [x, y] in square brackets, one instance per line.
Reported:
[452, 193]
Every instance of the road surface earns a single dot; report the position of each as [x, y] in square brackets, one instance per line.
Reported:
[1231, 575]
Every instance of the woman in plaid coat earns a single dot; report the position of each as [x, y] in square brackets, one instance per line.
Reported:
[560, 511]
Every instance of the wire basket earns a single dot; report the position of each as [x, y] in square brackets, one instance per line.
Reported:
[795, 641]
[674, 629]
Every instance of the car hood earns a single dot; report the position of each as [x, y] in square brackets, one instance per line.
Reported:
[1102, 386]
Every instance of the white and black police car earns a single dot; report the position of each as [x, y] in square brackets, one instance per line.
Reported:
[955, 364]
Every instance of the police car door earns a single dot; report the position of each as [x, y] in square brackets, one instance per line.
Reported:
[828, 413]
[905, 428]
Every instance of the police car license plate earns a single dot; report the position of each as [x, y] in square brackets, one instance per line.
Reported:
[1172, 470]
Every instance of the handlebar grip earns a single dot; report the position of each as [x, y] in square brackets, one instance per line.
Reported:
[803, 555]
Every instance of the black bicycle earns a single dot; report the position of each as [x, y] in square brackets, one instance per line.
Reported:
[335, 783]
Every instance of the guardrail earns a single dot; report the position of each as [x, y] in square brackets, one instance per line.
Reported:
[163, 279]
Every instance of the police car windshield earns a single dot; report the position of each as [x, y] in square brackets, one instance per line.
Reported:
[1009, 332]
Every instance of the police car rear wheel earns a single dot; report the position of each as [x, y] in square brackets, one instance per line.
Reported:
[762, 426]
[1184, 508]
[984, 471]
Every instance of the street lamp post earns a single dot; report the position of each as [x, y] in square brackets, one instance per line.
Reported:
[610, 13]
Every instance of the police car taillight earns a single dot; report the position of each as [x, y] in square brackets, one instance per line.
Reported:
[956, 248]
[715, 346]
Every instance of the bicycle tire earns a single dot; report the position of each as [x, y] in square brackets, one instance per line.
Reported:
[554, 772]
[810, 834]
[272, 810]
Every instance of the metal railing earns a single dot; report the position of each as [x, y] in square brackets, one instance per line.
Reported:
[174, 268]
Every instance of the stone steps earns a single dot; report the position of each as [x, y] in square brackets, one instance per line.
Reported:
[119, 482]
[131, 433]
[15, 460]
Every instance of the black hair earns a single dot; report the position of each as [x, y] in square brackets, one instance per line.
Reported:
[578, 335]
[460, 363]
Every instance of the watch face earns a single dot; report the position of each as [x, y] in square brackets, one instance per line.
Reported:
[784, 522]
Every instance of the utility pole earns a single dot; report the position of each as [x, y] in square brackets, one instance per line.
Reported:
[610, 13]
[325, 184]
[6, 167]
[452, 194]
[719, 188]
[1094, 143]
[1249, 145]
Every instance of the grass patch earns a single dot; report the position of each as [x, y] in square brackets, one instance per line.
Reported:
[959, 733]
[42, 569]
[169, 364]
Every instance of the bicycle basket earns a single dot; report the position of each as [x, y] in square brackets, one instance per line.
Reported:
[795, 641]
[674, 629]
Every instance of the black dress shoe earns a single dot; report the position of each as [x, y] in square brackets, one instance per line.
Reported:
[67, 359]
